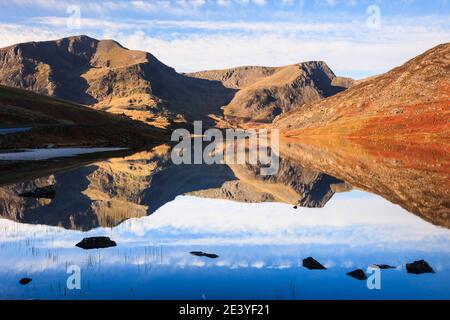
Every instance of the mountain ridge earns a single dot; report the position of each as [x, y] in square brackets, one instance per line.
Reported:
[106, 76]
[266, 92]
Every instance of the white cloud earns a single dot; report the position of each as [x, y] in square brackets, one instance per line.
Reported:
[217, 51]
[260, 2]
[349, 47]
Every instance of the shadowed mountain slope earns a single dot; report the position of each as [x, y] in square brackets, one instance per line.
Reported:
[63, 123]
[266, 92]
[107, 76]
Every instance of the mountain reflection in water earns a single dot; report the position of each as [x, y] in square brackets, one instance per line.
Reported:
[158, 213]
[108, 192]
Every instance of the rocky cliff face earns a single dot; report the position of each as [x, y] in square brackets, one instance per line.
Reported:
[264, 92]
[411, 101]
[107, 76]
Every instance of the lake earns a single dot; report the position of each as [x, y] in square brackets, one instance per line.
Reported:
[348, 210]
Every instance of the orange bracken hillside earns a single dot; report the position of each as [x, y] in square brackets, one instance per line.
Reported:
[411, 101]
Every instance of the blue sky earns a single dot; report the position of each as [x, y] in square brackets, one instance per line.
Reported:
[356, 38]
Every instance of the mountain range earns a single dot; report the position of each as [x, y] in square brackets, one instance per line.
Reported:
[106, 76]
[302, 99]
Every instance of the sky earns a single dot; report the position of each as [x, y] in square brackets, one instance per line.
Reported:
[355, 38]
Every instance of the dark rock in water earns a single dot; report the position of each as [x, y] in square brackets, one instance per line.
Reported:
[312, 264]
[383, 266]
[358, 274]
[48, 192]
[25, 281]
[419, 267]
[96, 243]
[203, 254]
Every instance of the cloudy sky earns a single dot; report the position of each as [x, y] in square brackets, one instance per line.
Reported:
[356, 38]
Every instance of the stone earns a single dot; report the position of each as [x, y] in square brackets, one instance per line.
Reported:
[312, 264]
[25, 281]
[419, 267]
[96, 243]
[383, 266]
[357, 274]
[204, 254]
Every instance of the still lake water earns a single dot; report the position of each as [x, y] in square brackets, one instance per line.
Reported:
[261, 240]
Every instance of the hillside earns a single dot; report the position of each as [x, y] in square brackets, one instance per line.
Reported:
[411, 101]
[62, 123]
[266, 92]
[109, 77]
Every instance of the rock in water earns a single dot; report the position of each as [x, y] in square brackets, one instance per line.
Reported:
[383, 266]
[358, 274]
[48, 192]
[25, 281]
[96, 243]
[419, 267]
[203, 254]
[312, 264]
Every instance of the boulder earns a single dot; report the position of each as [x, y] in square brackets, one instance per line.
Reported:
[383, 266]
[204, 254]
[357, 274]
[25, 281]
[312, 264]
[419, 267]
[96, 243]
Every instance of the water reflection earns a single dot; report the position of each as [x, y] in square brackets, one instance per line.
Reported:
[260, 249]
[108, 192]
[159, 213]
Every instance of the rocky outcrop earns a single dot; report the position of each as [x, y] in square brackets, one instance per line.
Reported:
[419, 267]
[96, 243]
[358, 274]
[312, 264]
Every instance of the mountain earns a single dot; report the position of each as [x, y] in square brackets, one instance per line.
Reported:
[63, 123]
[109, 77]
[106, 76]
[266, 92]
[410, 101]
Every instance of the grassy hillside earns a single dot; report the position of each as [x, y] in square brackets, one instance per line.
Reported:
[63, 123]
